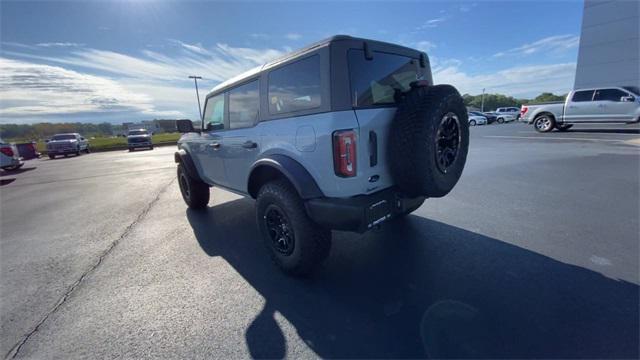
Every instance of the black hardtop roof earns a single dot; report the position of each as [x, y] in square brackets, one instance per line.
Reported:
[303, 51]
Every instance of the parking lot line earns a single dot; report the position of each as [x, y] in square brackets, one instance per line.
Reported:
[612, 133]
[551, 138]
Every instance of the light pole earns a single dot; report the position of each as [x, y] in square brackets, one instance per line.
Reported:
[195, 80]
[482, 106]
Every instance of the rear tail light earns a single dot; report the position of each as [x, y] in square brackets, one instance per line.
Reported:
[523, 111]
[344, 153]
[7, 151]
[32, 146]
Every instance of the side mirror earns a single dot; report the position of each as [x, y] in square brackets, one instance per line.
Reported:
[627, 99]
[185, 126]
[47, 140]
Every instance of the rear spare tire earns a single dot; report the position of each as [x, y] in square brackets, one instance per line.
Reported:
[429, 139]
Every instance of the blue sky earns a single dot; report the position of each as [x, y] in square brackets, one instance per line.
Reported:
[129, 61]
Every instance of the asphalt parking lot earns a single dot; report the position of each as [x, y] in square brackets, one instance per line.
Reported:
[533, 254]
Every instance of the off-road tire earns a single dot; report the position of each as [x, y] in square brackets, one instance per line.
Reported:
[194, 192]
[537, 123]
[564, 127]
[413, 149]
[311, 243]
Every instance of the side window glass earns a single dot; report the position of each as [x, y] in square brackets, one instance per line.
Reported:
[581, 96]
[214, 113]
[244, 102]
[295, 86]
[609, 95]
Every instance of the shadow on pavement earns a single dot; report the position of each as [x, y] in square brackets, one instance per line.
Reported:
[423, 288]
[17, 171]
[6, 181]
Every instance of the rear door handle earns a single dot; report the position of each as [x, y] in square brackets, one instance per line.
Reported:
[249, 145]
[214, 145]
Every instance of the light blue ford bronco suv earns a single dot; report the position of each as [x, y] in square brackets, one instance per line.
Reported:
[344, 134]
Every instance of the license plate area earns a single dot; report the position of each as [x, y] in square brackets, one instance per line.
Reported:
[378, 212]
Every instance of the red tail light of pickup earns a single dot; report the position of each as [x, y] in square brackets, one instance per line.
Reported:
[523, 111]
[344, 153]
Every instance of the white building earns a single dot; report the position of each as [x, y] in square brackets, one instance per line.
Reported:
[609, 53]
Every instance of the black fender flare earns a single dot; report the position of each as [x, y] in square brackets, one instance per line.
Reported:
[298, 176]
[183, 157]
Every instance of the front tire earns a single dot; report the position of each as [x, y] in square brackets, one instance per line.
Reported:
[295, 243]
[52, 156]
[500, 120]
[472, 123]
[544, 123]
[194, 192]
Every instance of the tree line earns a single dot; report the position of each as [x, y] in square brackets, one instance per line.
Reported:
[39, 131]
[494, 101]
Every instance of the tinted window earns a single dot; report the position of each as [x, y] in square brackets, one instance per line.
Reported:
[63, 137]
[586, 95]
[244, 102]
[609, 95]
[214, 112]
[374, 82]
[295, 86]
[138, 132]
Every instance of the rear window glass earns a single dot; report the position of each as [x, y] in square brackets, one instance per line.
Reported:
[374, 82]
[295, 87]
[63, 137]
[586, 95]
[138, 132]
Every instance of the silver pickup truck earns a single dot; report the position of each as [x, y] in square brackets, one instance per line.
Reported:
[601, 106]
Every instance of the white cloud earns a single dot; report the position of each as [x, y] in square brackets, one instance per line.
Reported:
[59, 44]
[150, 83]
[552, 44]
[432, 23]
[293, 36]
[259, 36]
[28, 89]
[425, 46]
[527, 81]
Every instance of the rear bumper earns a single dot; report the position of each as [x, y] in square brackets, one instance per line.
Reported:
[359, 213]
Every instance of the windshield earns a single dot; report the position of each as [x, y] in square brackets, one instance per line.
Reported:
[633, 89]
[375, 82]
[138, 132]
[64, 137]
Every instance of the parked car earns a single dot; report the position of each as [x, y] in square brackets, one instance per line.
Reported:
[139, 138]
[505, 118]
[512, 110]
[28, 150]
[65, 144]
[9, 158]
[490, 118]
[477, 120]
[598, 105]
[321, 141]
